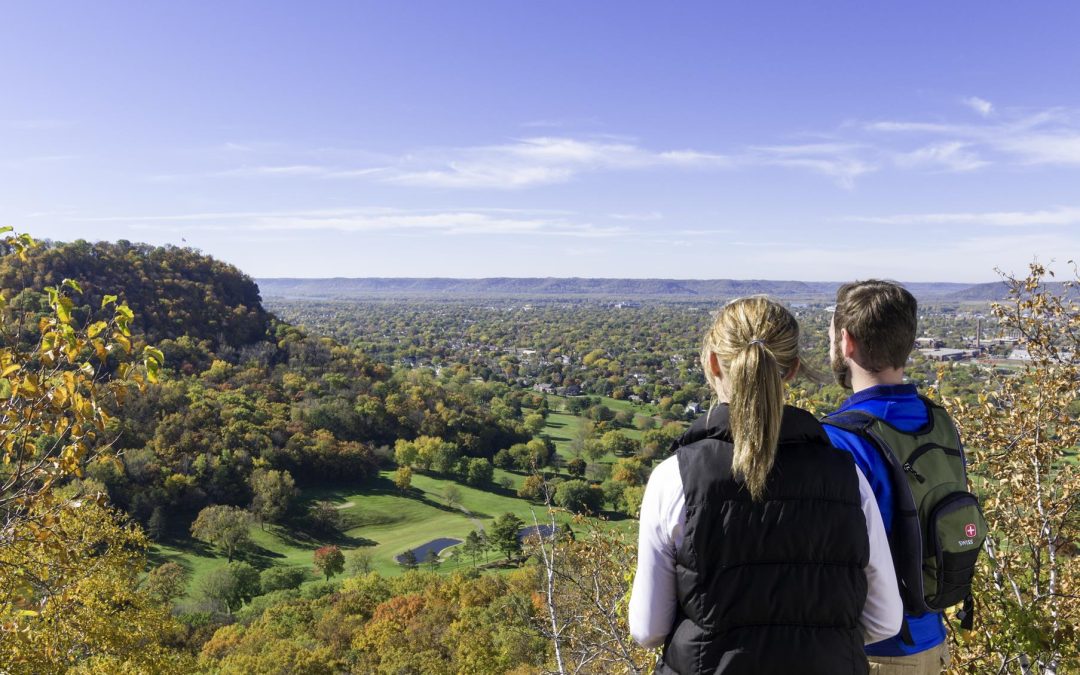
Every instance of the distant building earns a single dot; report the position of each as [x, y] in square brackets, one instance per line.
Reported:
[929, 343]
[949, 354]
[1025, 355]
[544, 388]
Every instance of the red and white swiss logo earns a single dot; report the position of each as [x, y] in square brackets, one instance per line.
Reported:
[970, 530]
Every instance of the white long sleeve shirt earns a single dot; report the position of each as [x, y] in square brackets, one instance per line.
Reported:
[663, 519]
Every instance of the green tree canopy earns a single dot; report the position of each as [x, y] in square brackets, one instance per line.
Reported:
[274, 492]
[224, 526]
[578, 496]
[504, 534]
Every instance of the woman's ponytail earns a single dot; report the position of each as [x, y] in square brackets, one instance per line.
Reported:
[756, 403]
[755, 342]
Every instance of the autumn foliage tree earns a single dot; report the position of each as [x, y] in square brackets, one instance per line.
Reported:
[1022, 436]
[412, 623]
[82, 609]
[329, 560]
[403, 478]
[166, 582]
[56, 380]
[211, 299]
[68, 564]
[581, 608]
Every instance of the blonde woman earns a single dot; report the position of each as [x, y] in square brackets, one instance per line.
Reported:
[761, 548]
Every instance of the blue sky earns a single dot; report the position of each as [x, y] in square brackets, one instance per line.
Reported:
[817, 141]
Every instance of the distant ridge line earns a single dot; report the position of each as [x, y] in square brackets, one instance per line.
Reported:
[582, 287]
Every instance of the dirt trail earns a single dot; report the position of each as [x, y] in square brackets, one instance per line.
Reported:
[470, 516]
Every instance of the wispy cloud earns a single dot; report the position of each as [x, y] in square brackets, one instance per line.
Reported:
[292, 170]
[1060, 147]
[274, 172]
[639, 217]
[855, 150]
[561, 123]
[287, 170]
[918, 127]
[386, 220]
[702, 232]
[1047, 137]
[546, 160]
[951, 156]
[538, 161]
[1063, 215]
[843, 162]
[846, 154]
[979, 105]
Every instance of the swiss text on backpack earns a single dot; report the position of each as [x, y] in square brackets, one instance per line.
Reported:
[938, 527]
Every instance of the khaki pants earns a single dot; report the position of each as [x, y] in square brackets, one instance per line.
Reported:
[933, 661]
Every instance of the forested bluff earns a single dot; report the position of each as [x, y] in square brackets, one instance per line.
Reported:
[193, 484]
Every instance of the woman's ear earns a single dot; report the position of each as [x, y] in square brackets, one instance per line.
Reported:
[714, 365]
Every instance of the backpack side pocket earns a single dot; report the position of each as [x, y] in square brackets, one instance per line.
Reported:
[956, 530]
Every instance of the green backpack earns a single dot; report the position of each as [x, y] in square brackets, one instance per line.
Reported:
[938, 528]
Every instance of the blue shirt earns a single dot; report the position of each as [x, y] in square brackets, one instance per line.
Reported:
[900, 406]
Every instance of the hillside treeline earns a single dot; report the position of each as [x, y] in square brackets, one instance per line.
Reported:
[172, 291]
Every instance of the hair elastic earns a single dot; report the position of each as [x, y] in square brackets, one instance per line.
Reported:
[757, 341]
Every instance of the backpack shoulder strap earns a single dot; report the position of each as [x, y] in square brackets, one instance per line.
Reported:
[866, 426]
[855, 421]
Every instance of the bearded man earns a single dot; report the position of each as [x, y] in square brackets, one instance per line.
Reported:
[871, 336]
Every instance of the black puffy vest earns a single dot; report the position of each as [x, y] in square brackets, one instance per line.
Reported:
[775, 586]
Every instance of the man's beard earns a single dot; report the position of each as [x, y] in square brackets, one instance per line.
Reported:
[841, 370]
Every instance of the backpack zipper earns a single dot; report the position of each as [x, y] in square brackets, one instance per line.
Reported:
[910, 469]
[923, 449]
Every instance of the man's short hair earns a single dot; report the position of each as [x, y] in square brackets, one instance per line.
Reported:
[882, 317]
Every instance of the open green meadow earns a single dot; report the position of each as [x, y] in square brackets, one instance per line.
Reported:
[385, 522]
[377, 519]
